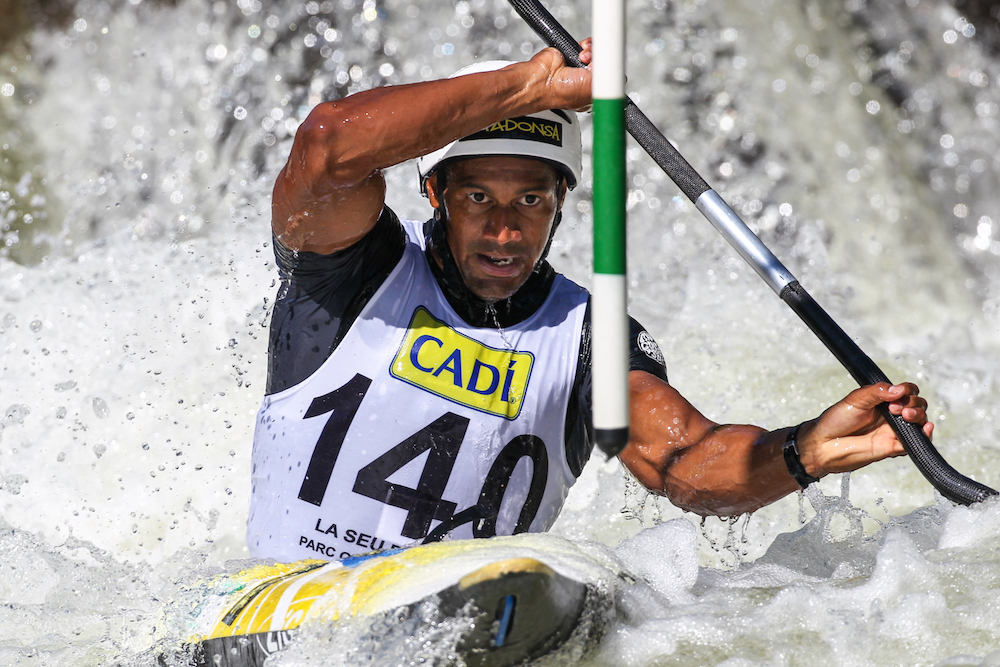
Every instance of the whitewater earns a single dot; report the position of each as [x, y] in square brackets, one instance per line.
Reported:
[140, 142]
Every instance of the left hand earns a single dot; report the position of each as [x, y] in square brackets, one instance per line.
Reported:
[852, 433]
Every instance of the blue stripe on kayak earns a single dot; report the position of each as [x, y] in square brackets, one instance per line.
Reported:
[354, 561]
[507, 616]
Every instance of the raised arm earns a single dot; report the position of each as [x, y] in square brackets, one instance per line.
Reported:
[331, 191]
[726, 470]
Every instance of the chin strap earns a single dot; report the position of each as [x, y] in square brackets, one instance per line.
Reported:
[476, 311]
[552, 235]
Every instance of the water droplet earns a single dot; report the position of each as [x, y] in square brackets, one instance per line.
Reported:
[101, 408]
[16, 413]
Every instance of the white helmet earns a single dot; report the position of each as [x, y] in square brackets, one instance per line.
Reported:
[552, 136]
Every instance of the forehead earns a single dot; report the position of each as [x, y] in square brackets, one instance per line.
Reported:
[532, 174]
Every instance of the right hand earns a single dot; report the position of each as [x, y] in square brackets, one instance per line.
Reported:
[568, 87]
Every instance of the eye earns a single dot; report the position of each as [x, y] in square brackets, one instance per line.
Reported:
[531, 200]
[478, 197]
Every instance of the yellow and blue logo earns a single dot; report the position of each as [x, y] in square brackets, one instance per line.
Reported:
[438, 359]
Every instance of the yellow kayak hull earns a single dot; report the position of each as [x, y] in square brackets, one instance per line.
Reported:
[521, 598]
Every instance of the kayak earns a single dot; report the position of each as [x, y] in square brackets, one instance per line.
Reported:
[517, 599]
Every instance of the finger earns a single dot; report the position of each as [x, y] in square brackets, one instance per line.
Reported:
[914, 415]
[911, 408]
[869, 396]
[912, 401]
[907, 403]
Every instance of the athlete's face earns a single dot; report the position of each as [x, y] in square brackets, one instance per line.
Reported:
[500, 211]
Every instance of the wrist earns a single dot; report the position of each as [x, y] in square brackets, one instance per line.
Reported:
[793, 458]
[536, 86]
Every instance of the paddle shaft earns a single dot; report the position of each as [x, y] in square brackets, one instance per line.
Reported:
[948, 481]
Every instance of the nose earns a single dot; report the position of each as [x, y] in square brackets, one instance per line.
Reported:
[508, 235]
[501, 225]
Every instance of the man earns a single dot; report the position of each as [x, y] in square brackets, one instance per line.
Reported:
[434, 380]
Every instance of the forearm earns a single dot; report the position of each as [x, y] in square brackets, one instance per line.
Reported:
[375, 129]
[731, 471]
[331, 190]
[701, 466]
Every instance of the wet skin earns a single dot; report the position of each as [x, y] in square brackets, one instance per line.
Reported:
[500, 211]
[331, 192]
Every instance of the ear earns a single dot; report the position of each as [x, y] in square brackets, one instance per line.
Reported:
[432, 191]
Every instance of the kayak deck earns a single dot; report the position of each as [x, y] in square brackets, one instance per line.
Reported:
[513, 610]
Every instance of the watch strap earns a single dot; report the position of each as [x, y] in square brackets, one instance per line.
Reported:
[795, 467]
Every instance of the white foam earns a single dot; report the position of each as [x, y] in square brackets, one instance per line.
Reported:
[674, 569]
[116, 497]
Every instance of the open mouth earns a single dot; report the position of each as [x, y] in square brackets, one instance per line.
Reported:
[503, 266]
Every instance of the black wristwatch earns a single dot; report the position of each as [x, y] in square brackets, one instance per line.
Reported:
[795, 467]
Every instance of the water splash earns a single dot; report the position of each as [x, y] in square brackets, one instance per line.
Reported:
[491, 311]
[858, 139]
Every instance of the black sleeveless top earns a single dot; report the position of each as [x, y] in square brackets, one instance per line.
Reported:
[320, 296]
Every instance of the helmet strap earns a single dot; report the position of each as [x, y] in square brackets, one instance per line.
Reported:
[476, 311]
[552, 233]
